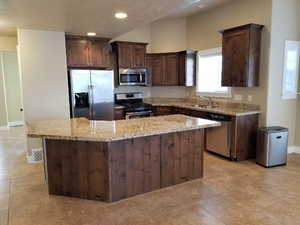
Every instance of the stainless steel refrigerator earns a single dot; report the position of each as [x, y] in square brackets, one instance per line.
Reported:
[92, 94]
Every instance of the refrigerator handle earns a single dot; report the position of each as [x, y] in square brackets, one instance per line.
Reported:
[90, 87]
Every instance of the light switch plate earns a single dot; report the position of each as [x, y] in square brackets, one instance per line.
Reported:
[250, 98]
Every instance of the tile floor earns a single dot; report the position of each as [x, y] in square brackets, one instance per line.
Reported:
[230, 194]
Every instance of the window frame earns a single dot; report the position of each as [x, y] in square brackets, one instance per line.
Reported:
[206, 52]
[285, 95]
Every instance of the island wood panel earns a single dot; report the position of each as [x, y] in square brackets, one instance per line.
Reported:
[77, 169]
[134, 166]
[182, 157]
[244, 136]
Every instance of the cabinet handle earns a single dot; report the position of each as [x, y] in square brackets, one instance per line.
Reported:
[279, 137]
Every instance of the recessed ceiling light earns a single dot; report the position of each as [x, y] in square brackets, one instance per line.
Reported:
[91, 34]
[121, 15]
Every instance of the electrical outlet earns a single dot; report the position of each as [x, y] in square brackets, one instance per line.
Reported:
[250, 98]
[238, 97]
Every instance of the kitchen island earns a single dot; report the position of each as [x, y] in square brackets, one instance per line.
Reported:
[114, 160]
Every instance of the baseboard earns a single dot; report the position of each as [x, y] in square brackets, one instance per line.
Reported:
[294, 149]
[16, 123]
[4, 128]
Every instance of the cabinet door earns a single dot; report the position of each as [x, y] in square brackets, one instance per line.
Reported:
[125, 55]
[77, 52]
[235, 58]
[157, 70]
[182, 69]
[138, 56]
[100, 54]
[171, 70]
[119, 114]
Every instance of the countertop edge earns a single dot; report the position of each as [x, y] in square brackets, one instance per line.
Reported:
[250, 112]
[54, 137]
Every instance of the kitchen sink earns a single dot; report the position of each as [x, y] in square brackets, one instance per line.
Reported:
[205, 106]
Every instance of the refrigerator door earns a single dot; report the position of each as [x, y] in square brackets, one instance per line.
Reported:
[80, 81]
[103, 94]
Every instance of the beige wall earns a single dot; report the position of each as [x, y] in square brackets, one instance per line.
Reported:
[6, 44]
[141, 34]
[42, 57]
[285, 26]
[202, 33]
[168, 35]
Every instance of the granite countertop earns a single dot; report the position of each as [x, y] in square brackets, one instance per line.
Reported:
[106, 131]
[222, 109]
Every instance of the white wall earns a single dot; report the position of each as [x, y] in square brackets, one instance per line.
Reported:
[12, 86]
[285, 26]
[42, 56]
[6, 44]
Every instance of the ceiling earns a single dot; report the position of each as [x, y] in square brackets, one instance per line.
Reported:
[81, 16]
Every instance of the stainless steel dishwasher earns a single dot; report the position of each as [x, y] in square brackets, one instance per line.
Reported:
[218, 139]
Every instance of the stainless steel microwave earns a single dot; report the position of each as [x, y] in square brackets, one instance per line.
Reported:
[133, 77]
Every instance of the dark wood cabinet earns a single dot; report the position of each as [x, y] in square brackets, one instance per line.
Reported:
[130, 54]
[164, 69]
[155, 65]
[172, 69]
[187, 68]
[77, 52]
[88, 52]
[119, 114]
[163, 110]
[171, 77]
[241, 56]
[100, 54]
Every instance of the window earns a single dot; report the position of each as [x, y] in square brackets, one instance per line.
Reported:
[291, 70]
[209, 73]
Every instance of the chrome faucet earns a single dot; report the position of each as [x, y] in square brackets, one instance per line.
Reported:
[209, 99]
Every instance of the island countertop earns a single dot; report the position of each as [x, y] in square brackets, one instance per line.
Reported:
[106, 131]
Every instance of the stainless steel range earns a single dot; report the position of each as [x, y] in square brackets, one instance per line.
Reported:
[134, 105]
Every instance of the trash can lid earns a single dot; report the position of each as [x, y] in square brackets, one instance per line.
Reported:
[274, 129]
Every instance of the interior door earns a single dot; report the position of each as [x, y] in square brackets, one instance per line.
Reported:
[103, 94]
[81, 93]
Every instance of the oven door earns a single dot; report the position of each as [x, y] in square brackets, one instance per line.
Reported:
[136, 115]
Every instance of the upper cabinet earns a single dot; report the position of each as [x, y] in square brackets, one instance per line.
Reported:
[172, 69]
[187, 68]
[88, 52]
[241, 56]
[130, 54]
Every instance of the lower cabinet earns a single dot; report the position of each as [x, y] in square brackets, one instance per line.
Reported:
[119, 114]
[163, 110]
[243, 130]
